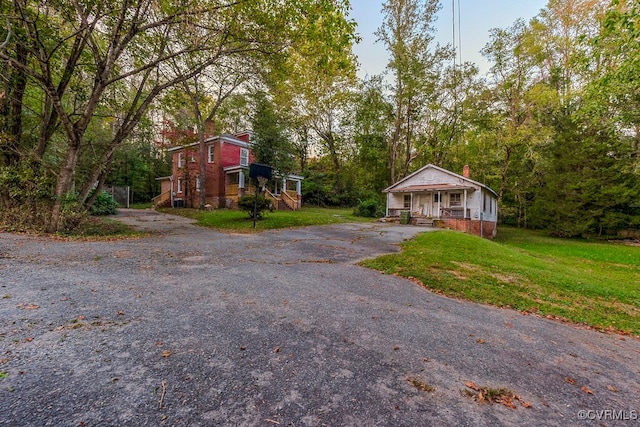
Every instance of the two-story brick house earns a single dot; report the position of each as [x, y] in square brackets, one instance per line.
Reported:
[227, 179]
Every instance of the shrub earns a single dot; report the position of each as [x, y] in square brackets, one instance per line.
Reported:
[104, 205]
[246, 203]
[370, 208]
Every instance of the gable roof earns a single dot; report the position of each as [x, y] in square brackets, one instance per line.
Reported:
[466, 183]
[226, 138]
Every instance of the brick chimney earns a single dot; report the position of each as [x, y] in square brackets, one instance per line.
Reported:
[209, 128]
[466, 172]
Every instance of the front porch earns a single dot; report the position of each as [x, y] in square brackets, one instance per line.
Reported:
[432, 204]
[284, 193]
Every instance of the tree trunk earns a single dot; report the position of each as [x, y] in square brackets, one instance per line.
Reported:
[63, 185]
[505, 169]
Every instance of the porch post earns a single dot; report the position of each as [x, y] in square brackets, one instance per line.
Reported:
[464, 205]
[387, 213]
[299, 187]
[172, 190]
[240, 179]
[439, 198]
[284, 185]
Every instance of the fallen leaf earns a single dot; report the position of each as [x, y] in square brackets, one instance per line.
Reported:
[120, 313]
[525, 404]
[569, 380]
[243, 348]
[28, 339]
[276, 350]
[81, 317]
[32, 307]
[480, 341]
[166, 353]
[612, 388]
[159, 343]
[586, 389]
[506, 401]
[472, 385]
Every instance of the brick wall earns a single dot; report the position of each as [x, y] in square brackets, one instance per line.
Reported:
[489, 228]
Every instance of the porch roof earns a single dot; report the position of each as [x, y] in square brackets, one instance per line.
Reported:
[430, 188]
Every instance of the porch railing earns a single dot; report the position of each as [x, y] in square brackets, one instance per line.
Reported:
[452, 212]
[269, 196]
[289, 201]
[161, 198]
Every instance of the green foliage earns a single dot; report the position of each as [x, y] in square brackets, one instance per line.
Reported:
[72, 213]
[104, 205]
[588, 186]
[370, 208]
[578, 280]
[248, 204]
[25, 199]
[270, 143]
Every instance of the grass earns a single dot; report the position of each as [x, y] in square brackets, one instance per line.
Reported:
[239, 222]
[592, 283]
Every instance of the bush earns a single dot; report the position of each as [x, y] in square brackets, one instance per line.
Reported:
[370, 208]
[104, 205]
[246, 203]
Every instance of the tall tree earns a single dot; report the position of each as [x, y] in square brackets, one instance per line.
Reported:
[371, 134]
[407, 32]
[271, 145]
[86, 56]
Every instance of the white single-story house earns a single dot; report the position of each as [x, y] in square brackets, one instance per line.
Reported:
[433, 195]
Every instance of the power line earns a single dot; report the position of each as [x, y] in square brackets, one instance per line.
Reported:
[457, 44]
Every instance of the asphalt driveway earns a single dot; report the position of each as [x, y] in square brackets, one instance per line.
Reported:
[192, 327]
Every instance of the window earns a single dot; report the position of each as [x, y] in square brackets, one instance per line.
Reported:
[455, 199]
[179, 190]
[407, 201]
[484, 203]
[198, 183]
[180, 160]
[244, 157]
[436, 197]
[211, 153]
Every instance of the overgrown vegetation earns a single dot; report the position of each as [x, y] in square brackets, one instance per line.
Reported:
[370, 208]
[104, 205]
[588, 282]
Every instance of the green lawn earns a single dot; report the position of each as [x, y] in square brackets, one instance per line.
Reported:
[238, 221]
[594, 283]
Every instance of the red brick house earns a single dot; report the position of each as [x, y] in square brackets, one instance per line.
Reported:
[227, 179]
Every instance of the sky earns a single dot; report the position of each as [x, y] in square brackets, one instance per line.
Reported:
[477, 17]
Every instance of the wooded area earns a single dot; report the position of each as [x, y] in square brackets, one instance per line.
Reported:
[94, 91]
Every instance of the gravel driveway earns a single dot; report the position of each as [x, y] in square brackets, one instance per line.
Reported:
[192, 327]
